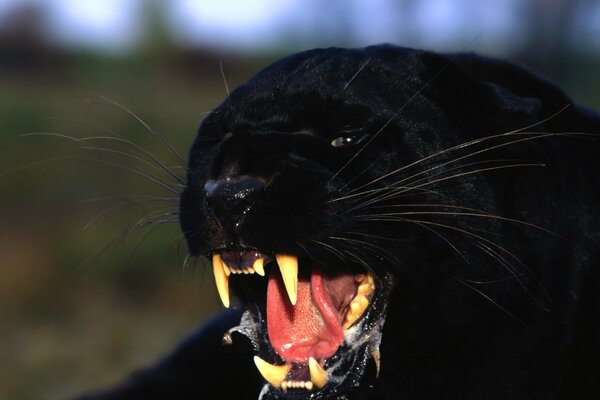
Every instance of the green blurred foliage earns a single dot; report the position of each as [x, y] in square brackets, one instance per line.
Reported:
[73, 315]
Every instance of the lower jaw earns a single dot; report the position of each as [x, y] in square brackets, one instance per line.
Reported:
[317, 379]
[311, 367]
[307, 365]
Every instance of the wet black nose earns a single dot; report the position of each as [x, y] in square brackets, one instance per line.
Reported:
[230, 198]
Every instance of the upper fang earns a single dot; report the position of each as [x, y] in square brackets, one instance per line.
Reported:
[288, 265]
[221, 279]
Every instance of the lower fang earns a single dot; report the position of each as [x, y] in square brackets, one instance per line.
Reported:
[274, 374]
[318, 375]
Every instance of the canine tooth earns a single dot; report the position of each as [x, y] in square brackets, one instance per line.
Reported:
[288, 265]
[274, 374]
[259, 266]
[377, 358]
[221, 279]
[318, 376]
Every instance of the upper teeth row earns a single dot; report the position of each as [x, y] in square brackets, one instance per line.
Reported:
[288, 265]
[257, 267]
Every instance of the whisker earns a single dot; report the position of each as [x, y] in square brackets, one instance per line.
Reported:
[469, 234]
[124, 109]
[132, 228]
[402, 190]
[137, 247]
[510, 268]
[133, 197]
[459, 167]
[308, 253]
[153, 158]
[515, 132]
[356, 74]
[115, 208]
[112, 137]
[425, 85]
[485, 296]
[490, 282]
[389, 121]
[395, 189]
[360, 261]
[367, 244]
[330, 248]
[223, 76]
[467, 214]
[360, 174]
[141, 174]
[126, 155]
[33, 164]
[477, 171]
[370, 235]
[445, 239]
[185, 263]
[374, 191]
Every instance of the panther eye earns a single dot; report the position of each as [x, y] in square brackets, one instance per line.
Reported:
[346, 140]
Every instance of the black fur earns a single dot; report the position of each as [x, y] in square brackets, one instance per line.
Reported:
[487, 254]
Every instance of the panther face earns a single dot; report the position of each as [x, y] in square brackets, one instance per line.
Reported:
[269, 200]
[331, 177]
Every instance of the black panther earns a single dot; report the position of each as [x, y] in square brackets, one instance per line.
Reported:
[390, 223]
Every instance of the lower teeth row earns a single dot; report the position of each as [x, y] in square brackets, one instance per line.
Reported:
[308, 385]
[275, 375]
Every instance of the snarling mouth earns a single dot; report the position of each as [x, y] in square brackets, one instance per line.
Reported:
[315, 318]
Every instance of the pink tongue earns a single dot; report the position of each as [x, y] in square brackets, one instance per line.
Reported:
[311, 328]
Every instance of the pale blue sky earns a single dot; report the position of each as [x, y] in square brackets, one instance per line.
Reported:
[242, 24]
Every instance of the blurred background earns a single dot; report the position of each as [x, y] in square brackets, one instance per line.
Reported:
[94, 280]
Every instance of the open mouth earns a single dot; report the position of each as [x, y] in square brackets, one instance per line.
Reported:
[312, 317]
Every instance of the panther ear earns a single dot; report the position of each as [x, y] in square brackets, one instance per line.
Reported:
[518, 96]
[513, 104]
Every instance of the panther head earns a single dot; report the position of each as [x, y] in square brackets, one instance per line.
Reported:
[313, 187]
